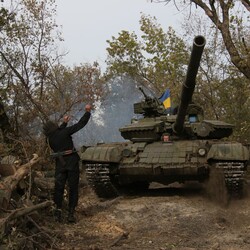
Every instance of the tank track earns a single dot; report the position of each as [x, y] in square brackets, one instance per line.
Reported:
[99, 180]
[234, 177]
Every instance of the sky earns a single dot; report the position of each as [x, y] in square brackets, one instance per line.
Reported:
[87, 24]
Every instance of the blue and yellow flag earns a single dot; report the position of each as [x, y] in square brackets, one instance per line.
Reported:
[165, 99]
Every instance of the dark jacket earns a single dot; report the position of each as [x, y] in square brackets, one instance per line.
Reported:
[61, 140]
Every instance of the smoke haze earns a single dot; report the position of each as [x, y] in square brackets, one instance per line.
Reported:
[111, 114]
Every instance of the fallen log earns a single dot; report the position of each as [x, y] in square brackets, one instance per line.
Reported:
[8, 184]
[45, 183]
[7, 170]
[20, 212]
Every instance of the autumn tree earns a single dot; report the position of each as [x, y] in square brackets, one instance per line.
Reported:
[222, 90]
[227, 16]
[26, 52]
[68, 88]
[34, 81]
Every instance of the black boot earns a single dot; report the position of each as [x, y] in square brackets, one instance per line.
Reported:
[71, 218]
[58, 215]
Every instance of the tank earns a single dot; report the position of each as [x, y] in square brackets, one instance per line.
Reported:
[167, 147]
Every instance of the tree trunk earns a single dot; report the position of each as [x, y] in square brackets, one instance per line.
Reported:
[8, 184]
[4, 122]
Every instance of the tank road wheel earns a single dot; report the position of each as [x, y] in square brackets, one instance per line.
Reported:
[234, 177]
[226, 180]
[98, 179]
[216, 186]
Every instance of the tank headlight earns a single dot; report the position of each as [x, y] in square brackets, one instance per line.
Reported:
[126, 152]
[202, 151]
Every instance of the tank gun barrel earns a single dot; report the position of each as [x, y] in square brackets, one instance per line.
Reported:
[189, 83]
[145, 96]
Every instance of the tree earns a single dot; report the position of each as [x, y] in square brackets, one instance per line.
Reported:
[156, 61]
[27, 45]
[236, 104]
[68, 88]
[216, 73]
[222, 90]
[227, 19]
[35, 84]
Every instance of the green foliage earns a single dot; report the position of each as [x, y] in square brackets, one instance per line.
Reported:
[5, 18]
[236, 102]
[156, 61]
[124, 54]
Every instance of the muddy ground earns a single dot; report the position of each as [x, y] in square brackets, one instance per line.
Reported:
[162, 218]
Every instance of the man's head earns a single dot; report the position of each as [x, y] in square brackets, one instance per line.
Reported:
[49, 127]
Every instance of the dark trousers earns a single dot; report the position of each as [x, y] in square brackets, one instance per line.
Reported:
[67, 172]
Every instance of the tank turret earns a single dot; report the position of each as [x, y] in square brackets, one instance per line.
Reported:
[150, 107]
[189, 122]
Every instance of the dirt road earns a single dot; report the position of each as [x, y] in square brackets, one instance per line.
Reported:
[163, 218]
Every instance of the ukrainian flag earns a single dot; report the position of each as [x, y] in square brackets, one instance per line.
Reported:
[165, 99]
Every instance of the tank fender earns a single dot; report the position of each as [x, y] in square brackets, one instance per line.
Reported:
[230, 151]
[103, 153]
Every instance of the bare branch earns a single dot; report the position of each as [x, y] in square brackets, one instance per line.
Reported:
[24, 83]
[20, 212]
[246, 3]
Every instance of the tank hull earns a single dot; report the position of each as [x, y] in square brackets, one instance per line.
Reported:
[122, 164]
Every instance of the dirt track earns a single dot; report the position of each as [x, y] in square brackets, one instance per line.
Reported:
[162, 218]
